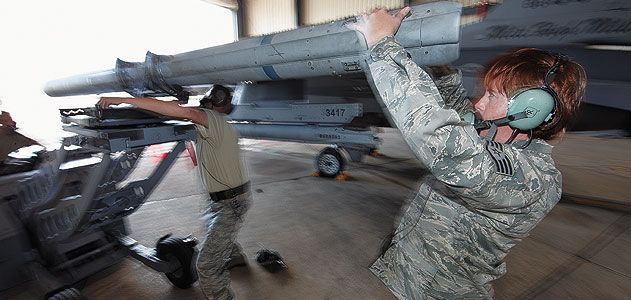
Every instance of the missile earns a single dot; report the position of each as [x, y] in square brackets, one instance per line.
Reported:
[430, 34]
[308, 134]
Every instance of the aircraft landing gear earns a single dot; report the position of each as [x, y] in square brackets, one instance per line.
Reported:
[330, 162]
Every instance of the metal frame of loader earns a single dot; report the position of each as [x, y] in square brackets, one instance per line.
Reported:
[63, 220]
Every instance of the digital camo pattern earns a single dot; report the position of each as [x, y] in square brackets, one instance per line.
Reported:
[453, 237]
[453, 94]
[222, 220]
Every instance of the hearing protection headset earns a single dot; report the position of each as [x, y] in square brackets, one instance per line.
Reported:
[214, 100]
[532, 107]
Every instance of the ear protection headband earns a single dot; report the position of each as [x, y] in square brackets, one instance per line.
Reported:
[216, 101]
[530, 108]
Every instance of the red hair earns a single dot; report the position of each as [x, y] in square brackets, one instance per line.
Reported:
[527, 67]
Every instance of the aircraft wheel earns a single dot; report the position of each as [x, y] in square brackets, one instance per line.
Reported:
[182, 250]
[330, 162]
[65, 294]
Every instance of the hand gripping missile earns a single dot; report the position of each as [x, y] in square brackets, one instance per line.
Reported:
[430, 35]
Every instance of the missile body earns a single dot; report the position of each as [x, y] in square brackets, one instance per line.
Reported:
[430, 35]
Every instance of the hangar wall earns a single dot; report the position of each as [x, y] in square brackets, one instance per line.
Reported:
[259, 17]
[321, 11]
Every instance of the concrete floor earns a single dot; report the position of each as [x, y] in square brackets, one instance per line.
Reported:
[329, 232]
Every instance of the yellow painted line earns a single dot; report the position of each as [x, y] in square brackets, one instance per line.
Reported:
[625, 169]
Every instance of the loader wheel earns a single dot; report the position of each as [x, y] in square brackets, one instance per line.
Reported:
[65, 294]
[182, 250]
[330, 162]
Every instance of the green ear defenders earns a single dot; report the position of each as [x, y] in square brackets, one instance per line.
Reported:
[530, 108]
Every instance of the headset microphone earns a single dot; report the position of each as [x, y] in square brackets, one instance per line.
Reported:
[529, 108]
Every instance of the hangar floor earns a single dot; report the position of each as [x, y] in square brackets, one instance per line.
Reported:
[329, 231]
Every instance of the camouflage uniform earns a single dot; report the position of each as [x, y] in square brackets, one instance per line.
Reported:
[480, 199]
[222, 220]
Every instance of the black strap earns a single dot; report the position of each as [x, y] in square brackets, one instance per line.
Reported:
[559, 59]
[501, 121]
[230, 193]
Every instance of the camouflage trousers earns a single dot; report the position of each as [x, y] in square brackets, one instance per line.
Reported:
[223, 220]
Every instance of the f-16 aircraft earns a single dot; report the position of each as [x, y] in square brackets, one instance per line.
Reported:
[595, 33]
[308, 84]
[65, 218]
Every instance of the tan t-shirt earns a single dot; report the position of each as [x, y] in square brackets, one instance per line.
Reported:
[218, 154]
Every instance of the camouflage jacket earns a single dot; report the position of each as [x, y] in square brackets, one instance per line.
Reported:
[480, 199]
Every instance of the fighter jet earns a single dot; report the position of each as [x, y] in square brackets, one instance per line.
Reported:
[309, 84]
[595, 33]
[306, 85]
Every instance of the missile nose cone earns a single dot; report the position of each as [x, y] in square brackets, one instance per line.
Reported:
[51, 88]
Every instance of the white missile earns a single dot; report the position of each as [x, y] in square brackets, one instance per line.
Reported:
[430, 34]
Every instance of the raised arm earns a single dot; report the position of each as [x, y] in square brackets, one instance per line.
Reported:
[449, 83]
[446, 144]
[435, 132]
[167, 108]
